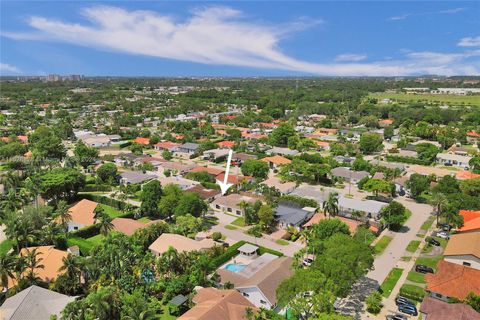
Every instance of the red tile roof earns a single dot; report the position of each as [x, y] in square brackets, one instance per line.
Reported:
[140, 140]
[226, 144]
[454, 280]
[473, 133]
[467, 175]
[471, 220]
[232, 178]
[440, 310]
[166, 145]
[278, 160]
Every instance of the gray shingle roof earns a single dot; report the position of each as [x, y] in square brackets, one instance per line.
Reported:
[34, 303]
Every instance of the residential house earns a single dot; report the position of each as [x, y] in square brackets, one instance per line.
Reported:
[317, 217]
[452, 280]
[142, 141]
[188, 148]
[426, 171]
[51, 259]
[471, 221]
[239, 158]
[166, 146]
[385, 122]
[434, 309]
[34, 303]
[82, 215]
[289, 214]
[448, 159]
[275, 162]
[348, 174]
[204, 193]
[179, 243]
[129, 226]
[214, 172]
[231, 203]
[284, 187]
[216, 155]
[259, 280]
[473, 137]
[176, 168]
[216, 304]
[182, 183]
[467, 175]
[97, 141]
[233, 179]
[226, 144]
[277, 151]
[464, 249]
[135, 177]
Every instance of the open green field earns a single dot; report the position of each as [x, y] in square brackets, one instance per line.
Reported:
[382, 244]
[440, 98]
[390, 282]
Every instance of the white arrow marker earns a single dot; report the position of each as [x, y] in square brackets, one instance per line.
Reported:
[225, 185]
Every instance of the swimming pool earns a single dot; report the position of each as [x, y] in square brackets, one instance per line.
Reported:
[235, 267]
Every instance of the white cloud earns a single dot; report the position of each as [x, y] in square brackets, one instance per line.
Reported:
[6, 68]
[350, 57]
[220, 36]
[407, 15]
[470, 42]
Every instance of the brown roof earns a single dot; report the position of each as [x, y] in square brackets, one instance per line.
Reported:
[204, 192]
[50, 258]
[83, 212]
[179, 243]
[215, 304]
[454, 280]
[209, 170]
[129, 226]
[267, 279]
[440, 310]
[278, 160]
[317, 217]
[464, 244]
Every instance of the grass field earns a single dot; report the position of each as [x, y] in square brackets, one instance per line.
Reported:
[230, 227]
[282, 242]
[390, 282]
[240, 222]
[427, 224]
[413, 246]
[382, 244]
[111, 211]
[96, 240]
[5, 246]
[84, 245]
[416, 277]
[434, 98]
[430, 262]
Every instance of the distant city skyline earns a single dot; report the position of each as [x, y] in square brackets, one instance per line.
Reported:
[236, 39]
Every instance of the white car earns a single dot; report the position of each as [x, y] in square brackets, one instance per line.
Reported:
[443, 235]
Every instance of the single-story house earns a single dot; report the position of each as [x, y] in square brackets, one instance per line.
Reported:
[449, 159]
[214, 172]
[204, 193]
[34, 303]
[183, 183]
[188, 147]
[292, 215]
[231, 203]
[276, 161]
[82, 215]
[166, 145]
[97, 141]
[434, 309]
[239, 158]
[284, 187]
[452, 280]
[471, 221]
[216, 304]
[215, 154]
[233, 179]
[277, 151]
[348, 174]
[259, 280]
[129, 226]
[179, 243]
[317, 217]
[226, 144]
[135, 177]
[142, 141]
[175, 167]
[473, 137]
[464, 249]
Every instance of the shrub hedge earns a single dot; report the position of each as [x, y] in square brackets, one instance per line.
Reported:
[413, 292]
[96, 187]
[408, 160]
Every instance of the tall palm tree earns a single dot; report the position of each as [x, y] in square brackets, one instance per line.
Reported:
[8, 264]
[72, 270]
[438, 201]
[33, 262]
[330, 205]
[62, 213]
[103, 220]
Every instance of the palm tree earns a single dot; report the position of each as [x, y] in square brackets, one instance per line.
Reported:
[62, 213]
[32, 262]
[438, 201]
[330, 205]
[8, 264]
[72, 270]
[105, 225]
[357, 214]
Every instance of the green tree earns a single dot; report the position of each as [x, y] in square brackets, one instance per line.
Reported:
[190, 203]
[150, 196]
[393, 215]
[361, 164]
[378, 185]
[438, 201]
[45, 144]
[330, 206]
[279, 136]
[473, 301]
[370, 142]
[255, 168]
[107, 172]
[167, 155]
[417, 184]
[85, 155]
[471, 187]
[8, 266]
[266, 217]
[374, 302]
[474, 164]
[61, 183]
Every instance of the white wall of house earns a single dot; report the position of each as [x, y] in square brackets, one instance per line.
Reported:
[255, 296]
[72, 226]
[226, 209]
[464, 260]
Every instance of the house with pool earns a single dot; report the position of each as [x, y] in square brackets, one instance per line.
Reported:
[256, 276]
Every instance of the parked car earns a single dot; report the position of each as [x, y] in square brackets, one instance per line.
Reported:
[445, 226]
[307, 262]
[443, 235]
[402, 300]
[411, 310]
[396, 316]
[423, 268]
[433, 242]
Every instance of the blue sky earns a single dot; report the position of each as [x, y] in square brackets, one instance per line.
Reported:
[240, 38]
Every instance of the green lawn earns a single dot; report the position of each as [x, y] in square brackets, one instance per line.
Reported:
[230, 227]
[282, 242]
[166, 314]
[427, 224]
[430, 261]
[84, 245]
[239, 222]
[416, 277]
[382, 244]
[413, 246]
[5, 246]
[390, 282]
[436, 98]
[96, 240]
[111, 211]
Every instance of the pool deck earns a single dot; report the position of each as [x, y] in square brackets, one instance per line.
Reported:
[253, 264]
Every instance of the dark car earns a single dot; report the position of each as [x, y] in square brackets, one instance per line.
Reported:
[445, 226]
[396, 316]
[423, 269]
[401, 301]
[411, 310]
[433, 242]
